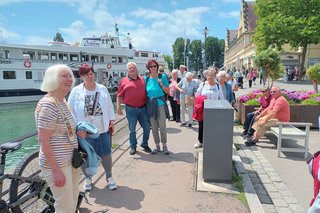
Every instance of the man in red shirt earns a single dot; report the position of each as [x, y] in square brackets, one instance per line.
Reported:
[132, 92]
[278, 110]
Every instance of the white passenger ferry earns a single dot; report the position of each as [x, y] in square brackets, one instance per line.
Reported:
[22, 66]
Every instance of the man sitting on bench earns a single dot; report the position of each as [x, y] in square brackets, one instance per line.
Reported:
[278, 110]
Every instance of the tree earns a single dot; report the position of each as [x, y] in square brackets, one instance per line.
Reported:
[313, 74]
[179, 50]
[296, 22]
[195, 57]
[58, 38]
[269, 61]
[214, 51]
[168, 59]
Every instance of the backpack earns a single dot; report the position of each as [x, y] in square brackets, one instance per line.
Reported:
[159, 76]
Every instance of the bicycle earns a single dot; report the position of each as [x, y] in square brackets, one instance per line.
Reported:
[28, 191]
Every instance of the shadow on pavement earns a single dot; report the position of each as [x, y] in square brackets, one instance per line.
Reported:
[123, 197]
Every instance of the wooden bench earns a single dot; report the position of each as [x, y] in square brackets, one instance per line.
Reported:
[289, 130]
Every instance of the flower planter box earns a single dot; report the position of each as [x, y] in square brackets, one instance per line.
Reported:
[298, 113]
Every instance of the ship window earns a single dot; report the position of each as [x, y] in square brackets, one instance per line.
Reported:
[144, 54]
[28, 75]
[9, 74]
[43, 55]
[120, 60]
[101, 59]
[94, 58]
[73, 57]
[114, 59]
[53, 56]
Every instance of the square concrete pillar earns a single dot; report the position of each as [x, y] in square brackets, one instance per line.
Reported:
[217, 141]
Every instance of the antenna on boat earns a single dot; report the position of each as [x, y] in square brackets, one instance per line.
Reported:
[116, 29]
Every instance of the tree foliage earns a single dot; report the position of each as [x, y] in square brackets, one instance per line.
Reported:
[296, 22]
[269, 61]
[313, 74]
[212, 49]
[169, 61]
[58, 38]
[214, 52]
[195, 57]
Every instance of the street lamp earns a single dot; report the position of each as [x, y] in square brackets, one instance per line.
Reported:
[205, 32]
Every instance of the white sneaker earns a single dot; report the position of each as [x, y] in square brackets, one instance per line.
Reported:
[111, 184]
[198, 145]
[87, 186]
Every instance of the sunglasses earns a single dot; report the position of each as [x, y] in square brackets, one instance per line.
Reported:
[154, 66]
[271, 92]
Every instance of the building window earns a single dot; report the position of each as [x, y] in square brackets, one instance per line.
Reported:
[101, 59]
[28, 75]
[114, 60]
[9, 74]
[144, 54]
[120, 60]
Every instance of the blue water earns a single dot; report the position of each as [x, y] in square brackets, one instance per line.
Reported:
[17, 120]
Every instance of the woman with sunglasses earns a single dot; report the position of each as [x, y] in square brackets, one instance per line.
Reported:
[157, 86]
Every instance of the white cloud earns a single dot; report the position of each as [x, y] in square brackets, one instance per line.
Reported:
[232, 14]
[6, 35]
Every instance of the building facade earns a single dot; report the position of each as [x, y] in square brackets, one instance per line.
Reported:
[240, 49]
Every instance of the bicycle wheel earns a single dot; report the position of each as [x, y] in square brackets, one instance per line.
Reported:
[19, 189]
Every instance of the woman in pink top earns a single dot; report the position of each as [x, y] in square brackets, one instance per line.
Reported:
[250, 78]
[173, 89]
[254, 74]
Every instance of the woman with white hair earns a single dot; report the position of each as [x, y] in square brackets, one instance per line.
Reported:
[211, 90]
[225, 88]
[187, 88]
[57, 138]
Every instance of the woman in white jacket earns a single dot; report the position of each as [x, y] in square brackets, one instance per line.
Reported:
[91, 102]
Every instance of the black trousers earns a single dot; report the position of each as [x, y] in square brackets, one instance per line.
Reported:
[200, 132]
[175, 108]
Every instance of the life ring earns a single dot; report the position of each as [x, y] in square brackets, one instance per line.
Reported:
[109, 66]
[27, 63]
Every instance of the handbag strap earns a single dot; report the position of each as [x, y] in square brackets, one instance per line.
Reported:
[95, 103]
[70, 130]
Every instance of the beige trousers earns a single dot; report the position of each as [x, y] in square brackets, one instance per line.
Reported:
[66, 197]
[260, 130]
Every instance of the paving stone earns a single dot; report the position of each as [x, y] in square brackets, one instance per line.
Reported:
[286, 193]
[269, 169]
[270, 187]
[275, 195]
[283, 210]
[296, 208]
[278, 202]
[255, 180]
[281, 186]
[268, 208]
[290, 199]
[265, 178]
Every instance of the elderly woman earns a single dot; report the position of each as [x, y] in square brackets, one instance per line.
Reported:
[157, 86]
[57, 138]
[91, 102]
[211, 90]
[173, 89]
[187, 88]
[225, 88]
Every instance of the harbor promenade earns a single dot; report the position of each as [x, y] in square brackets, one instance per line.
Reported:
[159, 183]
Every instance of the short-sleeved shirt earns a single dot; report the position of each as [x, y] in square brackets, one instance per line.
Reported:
[53, 115]
[154, 89]
[281, 106]
[211, 92]
[264, 102]
[132, 91]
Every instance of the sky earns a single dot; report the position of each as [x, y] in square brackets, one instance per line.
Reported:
[153, 24]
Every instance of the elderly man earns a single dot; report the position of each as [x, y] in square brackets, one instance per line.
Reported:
[182, 71]
[132, 92]
[278, 110]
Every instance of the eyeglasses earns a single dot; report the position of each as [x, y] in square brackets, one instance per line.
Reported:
[153, 66]
[271, 92]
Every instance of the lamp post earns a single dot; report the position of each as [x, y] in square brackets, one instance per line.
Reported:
[205, 32]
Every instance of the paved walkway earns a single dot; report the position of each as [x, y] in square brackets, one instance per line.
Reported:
[158, 183]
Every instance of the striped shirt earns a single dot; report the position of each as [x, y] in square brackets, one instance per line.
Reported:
[56, 116]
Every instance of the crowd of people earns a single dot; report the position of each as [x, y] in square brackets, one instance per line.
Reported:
[145, 99]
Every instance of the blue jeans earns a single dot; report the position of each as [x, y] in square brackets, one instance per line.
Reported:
[141, 115]
[248, 123]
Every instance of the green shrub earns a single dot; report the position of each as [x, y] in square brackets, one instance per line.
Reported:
[253, 102]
